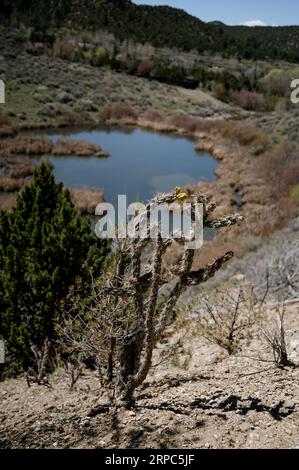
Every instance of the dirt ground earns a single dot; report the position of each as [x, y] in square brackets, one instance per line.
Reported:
[214, 402]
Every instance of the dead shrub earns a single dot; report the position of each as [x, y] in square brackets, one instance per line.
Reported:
[192, 124]
[38, 373]
[281, 167]
[27, 145]
[74, 370]
[21, 169]
[154, 115]
[86, 200]
[128, 311]
[276, 83]
[118, 112]
[64, 48]
[220, 91]
[80, 148]
[11, 185]
[244, 134]
[248, 100]
[145, 68]
[69, 119]
[4, 120]
[8, 201]
[7, 131]
[226, 317]
[275, 338]
[278, 271]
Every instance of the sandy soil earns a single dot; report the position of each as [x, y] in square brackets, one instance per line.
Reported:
[211, 403]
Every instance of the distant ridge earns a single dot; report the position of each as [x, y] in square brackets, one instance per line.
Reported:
[217, 23]
[159, 25]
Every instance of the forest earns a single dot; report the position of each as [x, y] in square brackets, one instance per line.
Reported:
[162, 26]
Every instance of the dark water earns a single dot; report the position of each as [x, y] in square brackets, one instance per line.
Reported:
[141, 164]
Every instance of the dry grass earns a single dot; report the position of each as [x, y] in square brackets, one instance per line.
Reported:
[4, 120]
[8, 201]
[157, 126]
[154, 115]
[81, 148]
[226, 316]
[11, 185]
[248, 100]
[22, 169]
[276, 341]
[69, 119]
[118, 112]
[86, 200]
[7, 131]
[244, 134]
[25, 145]
[192, 124]
[281, 166]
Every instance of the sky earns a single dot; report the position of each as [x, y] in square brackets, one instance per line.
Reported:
[235, 12]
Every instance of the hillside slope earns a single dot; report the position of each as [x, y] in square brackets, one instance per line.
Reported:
[195, 397]
[161, 26]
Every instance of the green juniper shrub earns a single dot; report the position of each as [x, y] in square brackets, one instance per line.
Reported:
[45, 246]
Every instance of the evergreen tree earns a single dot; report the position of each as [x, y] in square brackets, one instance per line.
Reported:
[45, 245]
[161, 26]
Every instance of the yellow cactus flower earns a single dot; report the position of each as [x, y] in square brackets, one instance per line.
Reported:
[180, 195]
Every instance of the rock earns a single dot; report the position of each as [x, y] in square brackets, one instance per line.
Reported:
[238, 277]
[294, 225]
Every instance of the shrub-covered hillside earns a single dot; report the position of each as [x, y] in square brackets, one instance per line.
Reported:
[162, 26]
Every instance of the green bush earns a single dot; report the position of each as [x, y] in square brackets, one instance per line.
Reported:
[100, 57]
[294, 194]
[45, 247]
[87, 55]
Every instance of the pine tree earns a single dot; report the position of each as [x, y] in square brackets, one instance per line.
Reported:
[45, 246]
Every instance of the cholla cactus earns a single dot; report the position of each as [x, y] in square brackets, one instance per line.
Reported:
[129, 309]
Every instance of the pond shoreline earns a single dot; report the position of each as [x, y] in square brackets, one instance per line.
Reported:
[41, 146]
[142, 162]
[237, 171]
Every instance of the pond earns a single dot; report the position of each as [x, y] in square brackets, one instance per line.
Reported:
[141, 164]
